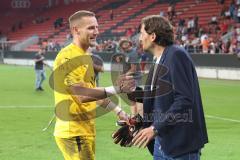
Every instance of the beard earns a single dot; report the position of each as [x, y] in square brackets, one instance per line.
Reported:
[92, 43]
[149, 49]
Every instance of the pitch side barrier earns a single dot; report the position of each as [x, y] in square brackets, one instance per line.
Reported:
[220, 66]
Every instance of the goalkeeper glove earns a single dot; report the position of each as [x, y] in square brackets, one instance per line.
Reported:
[125, 133]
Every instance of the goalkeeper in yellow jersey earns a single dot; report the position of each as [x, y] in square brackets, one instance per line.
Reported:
[76, 94]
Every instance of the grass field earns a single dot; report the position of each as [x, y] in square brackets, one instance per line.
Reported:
[24, 112]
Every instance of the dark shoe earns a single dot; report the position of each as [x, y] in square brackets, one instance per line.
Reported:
[39, 89]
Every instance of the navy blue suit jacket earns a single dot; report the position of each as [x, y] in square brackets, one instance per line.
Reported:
[174, 107]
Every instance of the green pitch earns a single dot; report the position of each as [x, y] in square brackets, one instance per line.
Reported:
[24, 112]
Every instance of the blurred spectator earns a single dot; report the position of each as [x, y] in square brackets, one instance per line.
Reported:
[238, 14]
[40, 19]
[238, 37]
[13, 28]
[162, 13]
[69, 36]
[39, 69]
[212, 47]
[226, 46]
[16, 25]
[97, 66]
[109, 46]
[181, 22]
[196, 44]
[190, 25]
[238, 49]
[143, 59]
[227, 13]
[205, 43]
[184, 30]
[171, 11]
[111, 14]
[237, 2]
[3, 38]
[232, 8]
[44, 45]
[196, 22]
[224, 27]
[58, 22]
[184, 38]
[221, 1]
[219, 46]
[131, 65]
[19, 24]
[233, 46]
[195, 38]
[222, 11]
[129, 32]
[214, 20]
[57, 46]
[51, 45]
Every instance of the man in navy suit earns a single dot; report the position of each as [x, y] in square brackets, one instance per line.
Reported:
[174, 123]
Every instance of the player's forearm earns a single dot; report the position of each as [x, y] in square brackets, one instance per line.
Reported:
[108, 105]
[125, 84]
[84, 94]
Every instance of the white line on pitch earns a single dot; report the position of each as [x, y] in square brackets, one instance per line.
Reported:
[222, 118]
[25, 107]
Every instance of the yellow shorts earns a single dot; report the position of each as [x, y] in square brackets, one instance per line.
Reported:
[77, 148]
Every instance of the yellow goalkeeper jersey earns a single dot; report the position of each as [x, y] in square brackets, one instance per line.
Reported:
[72, 66]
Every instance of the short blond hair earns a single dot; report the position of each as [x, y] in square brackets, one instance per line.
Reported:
[78, 15]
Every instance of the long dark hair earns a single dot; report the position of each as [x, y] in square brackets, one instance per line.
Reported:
[161, 27]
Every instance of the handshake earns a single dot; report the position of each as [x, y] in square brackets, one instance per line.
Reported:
[126, 83]
[128, 130]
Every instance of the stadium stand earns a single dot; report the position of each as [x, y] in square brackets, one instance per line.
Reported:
[126, 17]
